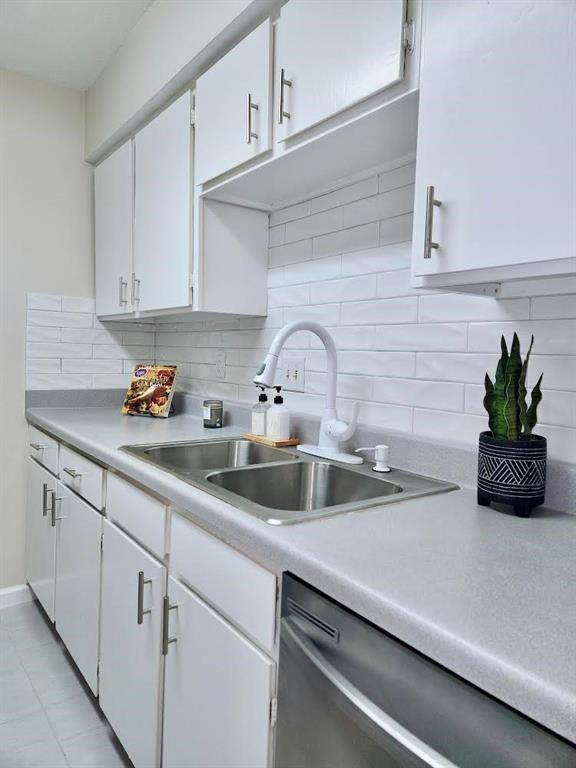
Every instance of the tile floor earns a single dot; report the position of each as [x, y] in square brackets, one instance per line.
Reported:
[48, 717]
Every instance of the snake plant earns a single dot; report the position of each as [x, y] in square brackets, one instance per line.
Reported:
[509, 416]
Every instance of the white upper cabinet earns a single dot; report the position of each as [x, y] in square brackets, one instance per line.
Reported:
[113, 231]
[163, 209]
[496, 141]
[233, 104]
[331, 55]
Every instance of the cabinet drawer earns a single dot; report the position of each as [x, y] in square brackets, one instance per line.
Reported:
[239, 588]
[82, 475]
[43, 448]
[138, 513]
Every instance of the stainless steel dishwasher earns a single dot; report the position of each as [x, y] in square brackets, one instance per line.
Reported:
[350, 696]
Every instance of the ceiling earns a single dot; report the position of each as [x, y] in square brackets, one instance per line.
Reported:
[65, 41]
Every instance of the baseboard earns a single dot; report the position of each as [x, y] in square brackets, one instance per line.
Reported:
[9, 596]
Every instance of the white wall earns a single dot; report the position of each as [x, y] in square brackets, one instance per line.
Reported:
[45, 246]
[170, 35]
[415, 359]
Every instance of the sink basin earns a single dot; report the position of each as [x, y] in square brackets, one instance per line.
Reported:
[303, 486]
[280, 485]
[183, 458]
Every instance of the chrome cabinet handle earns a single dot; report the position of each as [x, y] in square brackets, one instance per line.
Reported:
[249, 107]
[141, 611]
[166, 639]
[122, 288]
[430, 203]
[281, 111]
[72, 472]
[37, 446]
[53, 517]
[135, 289]
[44, 499]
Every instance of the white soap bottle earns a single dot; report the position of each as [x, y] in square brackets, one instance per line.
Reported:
[278, 419]
[259, 413]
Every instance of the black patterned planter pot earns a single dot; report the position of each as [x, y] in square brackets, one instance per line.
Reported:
[512, 472]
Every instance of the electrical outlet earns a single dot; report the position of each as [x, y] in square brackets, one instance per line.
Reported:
[293, 371]
[221, 364]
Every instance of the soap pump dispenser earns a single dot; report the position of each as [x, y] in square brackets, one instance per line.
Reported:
[259, 414]
[278, 419]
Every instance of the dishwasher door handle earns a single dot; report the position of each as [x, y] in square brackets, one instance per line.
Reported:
[353, 698]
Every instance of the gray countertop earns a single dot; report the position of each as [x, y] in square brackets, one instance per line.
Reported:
[488, 595]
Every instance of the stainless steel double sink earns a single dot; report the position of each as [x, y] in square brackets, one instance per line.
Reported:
[280, 485]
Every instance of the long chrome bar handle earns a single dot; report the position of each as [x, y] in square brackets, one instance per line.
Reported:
[37, 446]
[430, 203]
[249, 107]
[122, 289]
[53, 518]
[281, 111]
[166, 639]
[135, 289]
[44, 499]
[141, 611]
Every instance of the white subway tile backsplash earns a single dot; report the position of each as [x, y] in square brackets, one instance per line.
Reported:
[59, 319]
[312, 271]
[388, 257]
[289, 253]
[78, 304]
[552, 337]
[346, 240]
[344, 289]
[44, 301]
[312, 226]
[37, 333]
[382, 206]
[92, 366]
[442, 308]
[402, 310]
[57, 349]
[396, 230]
[416, 359]
[426, 394]
[553, 307]
[399, 177]
[347, 194]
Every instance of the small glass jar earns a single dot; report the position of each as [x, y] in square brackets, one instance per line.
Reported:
[213, 414]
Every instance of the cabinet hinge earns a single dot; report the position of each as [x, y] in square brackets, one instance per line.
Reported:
[101, 542]
[408, 35]
[273, 711]
[192, 116]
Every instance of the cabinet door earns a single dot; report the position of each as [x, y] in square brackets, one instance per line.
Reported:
[78, 531]
[496, 134]
[113, 187]
[232, 114]
[218, 690]
[41, 535]
[130, 649]
[163, 209]
[334, 53]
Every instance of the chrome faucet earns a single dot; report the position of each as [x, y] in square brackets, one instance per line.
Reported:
[333, 431]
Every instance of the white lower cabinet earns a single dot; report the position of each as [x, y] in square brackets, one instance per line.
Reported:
[41, 535]
[133, 586]
[77, 614]
[218, 691]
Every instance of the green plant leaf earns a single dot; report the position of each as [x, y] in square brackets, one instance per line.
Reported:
[512, 377]
[499, 426]
[511, 409]
[522, 405]
[532, 412]
[490, 401]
